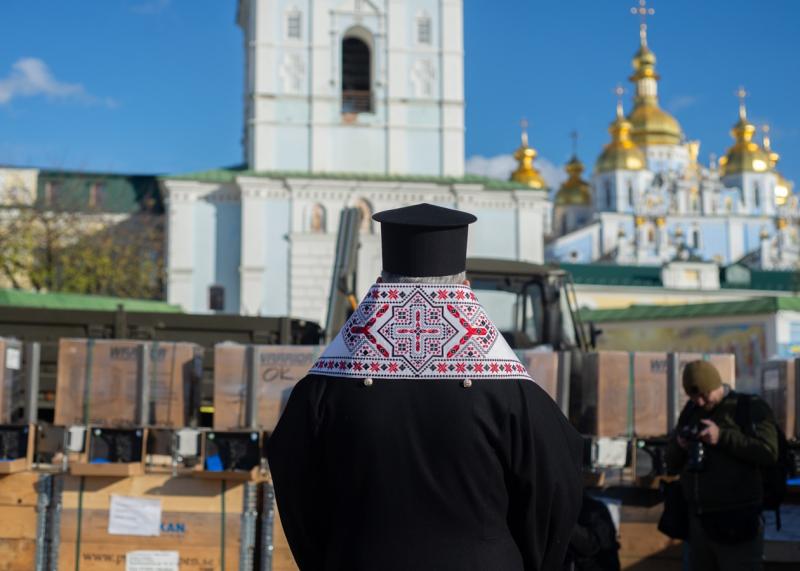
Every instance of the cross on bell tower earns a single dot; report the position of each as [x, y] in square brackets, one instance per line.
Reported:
[742, 95]
[643, 12]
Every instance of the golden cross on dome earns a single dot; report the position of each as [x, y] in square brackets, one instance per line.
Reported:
[766, 142]
[742, 94]
[643, 12]
[619, 91]
[574, 136]
[524, 125]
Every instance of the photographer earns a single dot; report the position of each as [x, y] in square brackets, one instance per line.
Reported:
[720, 467]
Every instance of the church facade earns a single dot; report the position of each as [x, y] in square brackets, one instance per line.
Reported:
[333, 88]
[650, 202]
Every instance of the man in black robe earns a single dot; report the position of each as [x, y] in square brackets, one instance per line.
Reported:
[418, 442]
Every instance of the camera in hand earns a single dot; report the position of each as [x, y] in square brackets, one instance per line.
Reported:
[696, 450]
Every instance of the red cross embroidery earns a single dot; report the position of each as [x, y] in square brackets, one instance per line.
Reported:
[470, 331]
[365, 330]
[418, 331]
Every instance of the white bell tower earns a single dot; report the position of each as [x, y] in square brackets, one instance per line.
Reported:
[354, 86]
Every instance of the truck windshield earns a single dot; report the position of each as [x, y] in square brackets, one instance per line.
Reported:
[513, 311]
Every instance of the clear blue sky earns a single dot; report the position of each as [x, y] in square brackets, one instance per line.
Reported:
[156, 85]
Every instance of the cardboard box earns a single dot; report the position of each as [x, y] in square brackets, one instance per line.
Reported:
[203, 520]
[101, 382]
[277, 368]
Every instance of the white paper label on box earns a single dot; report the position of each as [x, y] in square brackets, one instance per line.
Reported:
[772, 380]
[152, 561]
[13, 358]
[134, 516]
[612, 452]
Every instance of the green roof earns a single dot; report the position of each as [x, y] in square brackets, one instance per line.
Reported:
[613, 274]
[229, 175]
[20, 298]
[119, 193]
[756, 306]
[650, 276]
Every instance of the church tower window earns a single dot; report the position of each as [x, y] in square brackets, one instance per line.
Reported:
[424, 30]
[630, 194]
[366, 215]
[696, 238]
[317, 222]
[607, 189]
[356, 76]
[294, 29]
[756, 196]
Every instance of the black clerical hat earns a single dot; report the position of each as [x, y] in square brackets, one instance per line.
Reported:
[424, 240]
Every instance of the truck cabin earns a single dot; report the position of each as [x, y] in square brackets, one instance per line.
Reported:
[530, 303]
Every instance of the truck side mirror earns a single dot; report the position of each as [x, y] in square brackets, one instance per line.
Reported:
[594, 333]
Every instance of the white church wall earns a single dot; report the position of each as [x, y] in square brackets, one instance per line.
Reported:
[296, 86]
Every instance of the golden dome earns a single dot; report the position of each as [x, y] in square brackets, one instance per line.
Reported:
[574, 191]
[526, 173]
[745, 155]
[651, 124]
[621, 153]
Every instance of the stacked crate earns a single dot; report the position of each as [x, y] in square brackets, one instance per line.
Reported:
[626, 394]
[117, 389]
[24, 499]
[207, 525]
[778, 387]
[252, 384]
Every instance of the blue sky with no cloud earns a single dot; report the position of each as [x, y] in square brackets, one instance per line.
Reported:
[156, 85]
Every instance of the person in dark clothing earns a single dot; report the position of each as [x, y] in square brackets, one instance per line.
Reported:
[593, 545]
[720, 467]
[418, 441]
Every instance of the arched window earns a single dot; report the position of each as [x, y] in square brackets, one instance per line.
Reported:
[317, 221]
[756, 196]
[356, 75]
[696, 238]
[609, 200]
[366, 216]
[630, 194]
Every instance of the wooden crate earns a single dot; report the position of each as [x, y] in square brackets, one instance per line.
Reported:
[211, 524]
[543, 368]
[279, 557]
[85, 464]
[18, 443]
[12, 383]
[100, 382]
[238, 455]
[22, 514]
[623, 392]
[778, 386]
[278, 368]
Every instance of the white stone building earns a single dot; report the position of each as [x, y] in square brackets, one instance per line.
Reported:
[651, 202]
[335, 87]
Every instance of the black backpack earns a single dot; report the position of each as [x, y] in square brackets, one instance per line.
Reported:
[773, 477]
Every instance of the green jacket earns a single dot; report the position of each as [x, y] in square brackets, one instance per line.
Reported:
[732, 475]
